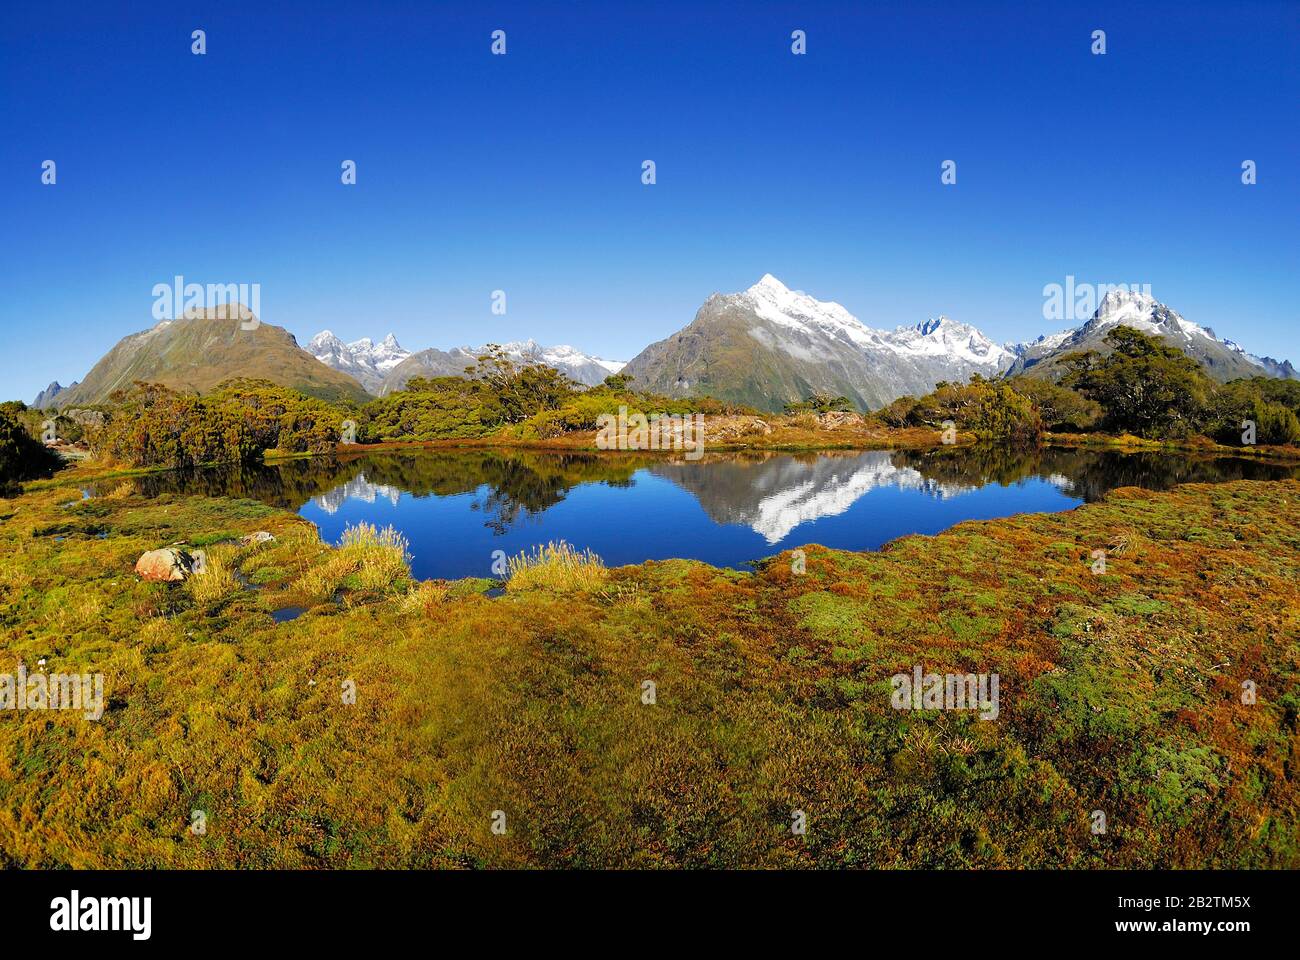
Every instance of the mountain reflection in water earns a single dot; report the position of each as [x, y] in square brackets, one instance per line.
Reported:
[458, 507]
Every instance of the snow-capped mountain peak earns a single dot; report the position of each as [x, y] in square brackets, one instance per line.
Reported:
[375, 365]
[1141, 311]
[795, 310]
[361, 359]
[568, 360]
[1222, 359]
[940, 337]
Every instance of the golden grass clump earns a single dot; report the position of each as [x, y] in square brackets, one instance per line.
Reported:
[367, 558]
[555, 566]
[213, 577]
[425, 597]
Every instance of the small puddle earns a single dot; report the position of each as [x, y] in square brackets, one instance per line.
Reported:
[285, 614]
[244, 582]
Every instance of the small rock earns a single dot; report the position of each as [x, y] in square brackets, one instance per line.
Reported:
[168, 565]
[261, 536]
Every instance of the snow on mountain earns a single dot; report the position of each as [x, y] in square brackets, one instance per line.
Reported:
[390, 367]
[769, 345]
[385, 355]
[936, 338]
[776, 303]
[363, 359]
[944, 338]
[1143, 312]
[1223, 359]
[776, 496]
[570, 361]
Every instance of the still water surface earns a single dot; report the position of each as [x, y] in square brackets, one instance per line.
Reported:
[457, 508]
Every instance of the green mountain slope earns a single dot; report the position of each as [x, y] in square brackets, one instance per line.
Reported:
[199, 351]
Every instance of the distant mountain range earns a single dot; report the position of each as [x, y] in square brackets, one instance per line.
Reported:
[763, 347]
[45, 399]
[365, 361]
[386, 367]
[769, 345]
[573, 363]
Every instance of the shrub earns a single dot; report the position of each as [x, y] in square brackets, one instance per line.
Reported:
[441, 408]
[1275, 419]
[1061, 409]
[1145, 386]
[1000, 413]
[1275, 423]
[22, 456]
[990, 410]
[900, 413]
[820, 403]
[151, 425]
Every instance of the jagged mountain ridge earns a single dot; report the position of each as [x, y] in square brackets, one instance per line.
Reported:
[45, 399]
[764, 347]
[573, 363]
[364, 360]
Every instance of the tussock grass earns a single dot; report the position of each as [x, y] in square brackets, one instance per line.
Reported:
[367, 559]
[322, 582]
[217, 581]
[555, 566]
[426, 597]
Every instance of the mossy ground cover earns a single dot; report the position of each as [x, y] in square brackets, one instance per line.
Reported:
[1120, 692]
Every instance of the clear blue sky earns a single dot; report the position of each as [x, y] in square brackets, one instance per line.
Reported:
[522, 172]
